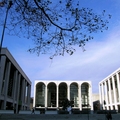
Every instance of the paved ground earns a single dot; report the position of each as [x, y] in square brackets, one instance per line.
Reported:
[51, 115]
[56, 117]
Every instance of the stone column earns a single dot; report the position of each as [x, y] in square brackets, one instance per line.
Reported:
[7, 74]
[114, 92]
[100, 93]
[26, 87]
[18, 91]
[68, 90]
[15, 87]
[110, 98]
[27, 93]
[28, 96]
[103, 98]
[2, 68]
[79, 95]
[106, 95]
[34, 98]
[46, 96]
[90, 97]
[23, 93]
[57, 98]
[118, 85]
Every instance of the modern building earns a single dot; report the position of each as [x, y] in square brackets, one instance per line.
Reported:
[96, 102]
[15, 86]
[31, 103]
[109, 90]
[51, 94]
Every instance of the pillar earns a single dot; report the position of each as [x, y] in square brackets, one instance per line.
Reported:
[17, 91]
[90, 97]
[110, 98]
[106, 95]
[45, 96]
[34, 99]
[68, 90]
[7, 74]
[15, 87]
[100, 93]
[2, 68]
[103, 98]
[79, 95]
[23, 93]
[28, 96]
[118, 85]
[57, 98]
[114, 92]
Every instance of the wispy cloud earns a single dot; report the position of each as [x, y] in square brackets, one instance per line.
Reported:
[98, 61]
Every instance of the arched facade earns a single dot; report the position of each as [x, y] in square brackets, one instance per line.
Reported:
[51, 94]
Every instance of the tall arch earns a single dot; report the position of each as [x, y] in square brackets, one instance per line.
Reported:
[74, 94]
[51, 100]
[85, 94]
[62, 93]
[40, 94]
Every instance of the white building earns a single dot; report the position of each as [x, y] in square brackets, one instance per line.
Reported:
[109, 90]
[50, 94]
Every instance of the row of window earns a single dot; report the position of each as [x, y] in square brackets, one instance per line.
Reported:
[62, 95]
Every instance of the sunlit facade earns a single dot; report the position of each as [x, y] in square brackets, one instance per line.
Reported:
[51, 94]
[15, 86]
[109, 90]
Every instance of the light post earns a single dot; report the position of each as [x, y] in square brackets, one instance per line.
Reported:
[10, 3]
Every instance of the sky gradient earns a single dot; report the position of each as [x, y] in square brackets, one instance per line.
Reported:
[101, 58]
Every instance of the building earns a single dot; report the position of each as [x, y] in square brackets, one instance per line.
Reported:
[51, 94]
[96, 102]
[109, 90]
[15, 86]
[31, 103]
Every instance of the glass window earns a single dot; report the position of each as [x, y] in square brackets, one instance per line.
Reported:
[74, 94]
[40, 95]
[85, 94]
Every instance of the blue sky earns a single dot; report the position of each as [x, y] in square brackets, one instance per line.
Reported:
[100, 59]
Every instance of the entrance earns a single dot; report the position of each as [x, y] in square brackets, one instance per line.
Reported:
[51, 102]
[62, 93]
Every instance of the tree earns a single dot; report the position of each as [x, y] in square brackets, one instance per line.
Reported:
[56, 27]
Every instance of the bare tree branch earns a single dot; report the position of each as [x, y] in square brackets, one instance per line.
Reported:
[56, 27]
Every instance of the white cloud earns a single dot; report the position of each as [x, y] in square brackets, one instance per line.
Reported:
[99, 60]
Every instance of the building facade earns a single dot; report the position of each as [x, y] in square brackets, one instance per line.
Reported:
[15, 86]
[96, 102]
[109, 91]
[51, 94]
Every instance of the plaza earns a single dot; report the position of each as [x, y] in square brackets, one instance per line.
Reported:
[28, 116]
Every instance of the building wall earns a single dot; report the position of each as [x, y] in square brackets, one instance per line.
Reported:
[109, 90]
[96, 102]
[15, 86]
[95, 97]
[51, 94]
